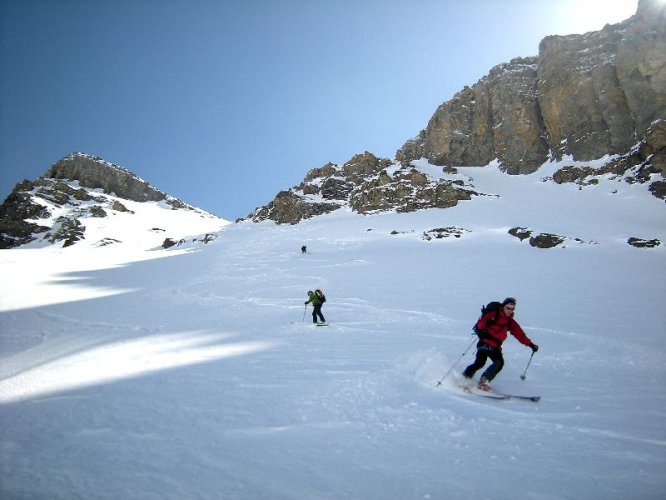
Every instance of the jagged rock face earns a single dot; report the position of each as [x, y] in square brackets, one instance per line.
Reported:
[95, 173]
[496, 118]
[615, 87]
[641, 64]
[290, 208]
[585, 96]
[366, 184]
[407, 190]
[584, 108]
[649, 157]
[653, 149]
[66, 229]
[15, 212]
[71, 187]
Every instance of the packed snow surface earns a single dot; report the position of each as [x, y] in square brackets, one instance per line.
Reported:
[199, 375]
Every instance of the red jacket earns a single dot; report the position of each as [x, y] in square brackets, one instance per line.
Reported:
[495, 332]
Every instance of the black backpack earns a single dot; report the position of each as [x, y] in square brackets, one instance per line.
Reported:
[320, 296]
[491, 306]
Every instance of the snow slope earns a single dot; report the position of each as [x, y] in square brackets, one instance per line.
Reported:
[200, 375]
[114, 240]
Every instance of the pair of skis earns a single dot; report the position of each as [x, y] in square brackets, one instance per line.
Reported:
[501, 396]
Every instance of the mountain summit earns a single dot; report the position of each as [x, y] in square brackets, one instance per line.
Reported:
[583, 98]
[82, 195]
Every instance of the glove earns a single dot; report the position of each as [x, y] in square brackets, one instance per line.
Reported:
[306, 302]
[534, 347]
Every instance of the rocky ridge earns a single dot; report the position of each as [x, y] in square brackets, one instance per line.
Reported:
[583, 98]
[54, 208]
[366, 184]
[583, 95]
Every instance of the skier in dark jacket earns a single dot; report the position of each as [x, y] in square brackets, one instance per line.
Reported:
[493, 327]
[317, 299]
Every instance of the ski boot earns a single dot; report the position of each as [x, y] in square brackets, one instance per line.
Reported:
[484, 385]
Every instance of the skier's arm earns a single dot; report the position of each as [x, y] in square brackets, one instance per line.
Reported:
[517, 331]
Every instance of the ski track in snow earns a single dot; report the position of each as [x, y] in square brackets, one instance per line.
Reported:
[201, 376]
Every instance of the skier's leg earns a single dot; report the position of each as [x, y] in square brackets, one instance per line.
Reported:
[479, 361]
[317, 313]
[498, 363]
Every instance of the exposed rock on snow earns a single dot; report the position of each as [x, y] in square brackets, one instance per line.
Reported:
[584, 95]
[444, 232]
[544, 240]
[95, 173]
[61, 205]
[366, 184]
[641, 243]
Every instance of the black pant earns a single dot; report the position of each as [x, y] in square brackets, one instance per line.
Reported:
[484, 352]
[316, 311]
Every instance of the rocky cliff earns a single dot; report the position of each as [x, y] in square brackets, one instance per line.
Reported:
[55, 207]
[584, 97]
[366, 184]
[95, 173]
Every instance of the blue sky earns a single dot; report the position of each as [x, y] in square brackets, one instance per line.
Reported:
[224, 103]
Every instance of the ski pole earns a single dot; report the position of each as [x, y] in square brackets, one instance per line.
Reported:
[528, 365]
[304, 311]
[457, 361]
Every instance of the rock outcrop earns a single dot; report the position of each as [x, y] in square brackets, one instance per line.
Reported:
[642, 243]
[646, 158]
[95, 173]
[584, 95]
[366, 184]
[499, 117]
[79, 186]
[583, 98]
[545, 240]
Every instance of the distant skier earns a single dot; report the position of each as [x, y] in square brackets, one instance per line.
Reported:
[492, 329]
[304, 249]
[317, 298]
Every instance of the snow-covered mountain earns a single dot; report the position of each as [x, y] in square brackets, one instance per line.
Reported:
[83, 199]
[138, 362]
[200, 375]
[583, 98]
[367, 184]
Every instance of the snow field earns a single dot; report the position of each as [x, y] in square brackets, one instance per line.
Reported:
[199, 376]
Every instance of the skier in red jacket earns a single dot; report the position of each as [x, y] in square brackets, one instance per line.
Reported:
[493, 327]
